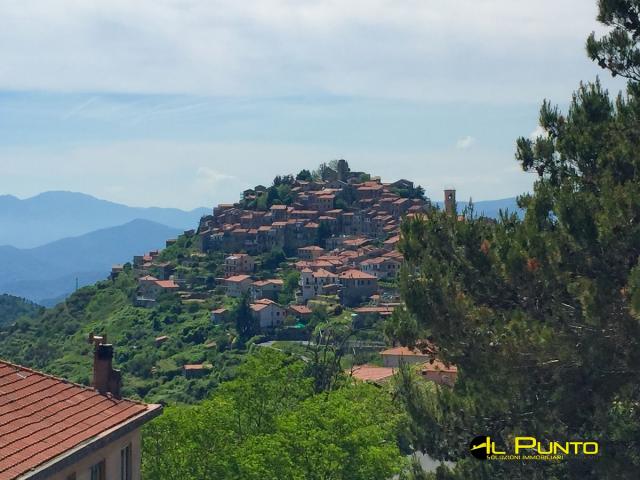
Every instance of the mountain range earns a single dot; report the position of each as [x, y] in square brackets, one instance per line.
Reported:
[490, 208]
[52, 216]
[48, 273]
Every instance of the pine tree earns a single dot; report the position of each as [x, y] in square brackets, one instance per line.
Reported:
[541, 315]
[619, 50]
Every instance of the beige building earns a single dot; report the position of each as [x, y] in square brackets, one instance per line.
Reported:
[394, 356]
[268, 313]
[57, 430]
[238, 285]
[310, 253]
[238, 263]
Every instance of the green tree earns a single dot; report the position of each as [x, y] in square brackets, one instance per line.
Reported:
[267, 424]
[304, 175]
[246, 323]
[538, 314]
[619, 50]
[273, 259]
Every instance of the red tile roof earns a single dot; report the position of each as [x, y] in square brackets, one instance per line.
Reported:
[357, 274]
[436, 365]
[371, 373]
[424, 349]
[147, 278]
[43, 417]
[300, 309]
[237, 278]
[166, 284]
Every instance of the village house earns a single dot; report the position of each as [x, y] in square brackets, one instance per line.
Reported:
[301, 312]
[310, 253]
[270, 288]
[268, 313]
[115, 271]
[196, 370]
[219, 315]
[150, 288]
[382, 268]
[356, 286]
[313, 283]
[392, 357]
[238, 285]
[238, 263]
[440, 373]
[87, 432]
[372, 373]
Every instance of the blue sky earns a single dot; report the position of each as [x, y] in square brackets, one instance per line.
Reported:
[185, 103]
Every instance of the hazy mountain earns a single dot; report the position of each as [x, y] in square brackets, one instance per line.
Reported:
[490, 208]
[49, 272]
[52, 216]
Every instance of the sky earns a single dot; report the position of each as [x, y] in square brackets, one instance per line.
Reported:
[186, 103]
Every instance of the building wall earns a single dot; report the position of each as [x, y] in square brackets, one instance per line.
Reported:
[355, 290]
[441, 378]
[393, 361]
[111, 455]
[271, 316]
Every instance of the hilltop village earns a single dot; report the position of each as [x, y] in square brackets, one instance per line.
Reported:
[323, 242]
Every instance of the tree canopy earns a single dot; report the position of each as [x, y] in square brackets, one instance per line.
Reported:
[268, 424]
[541, 315]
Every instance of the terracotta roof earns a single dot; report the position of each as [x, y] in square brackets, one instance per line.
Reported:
[404, 351]
[237, 255]
[312, 248]
[438, 366]
[381, 310]
[219, 311]
[322, 273]
[237, 278]
[357, 274]
[167, 284]
[42, 417]
[371, 373]
[272, 281]
[300, 309]
[377, 260]
[262, 304]
[147, 278]
[197, 366]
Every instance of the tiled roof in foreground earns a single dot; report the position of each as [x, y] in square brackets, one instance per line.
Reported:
[43, 417]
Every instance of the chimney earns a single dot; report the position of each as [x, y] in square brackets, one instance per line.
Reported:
[450, 201]
[105, 378]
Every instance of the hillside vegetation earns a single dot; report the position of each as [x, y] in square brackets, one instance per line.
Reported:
[13, 308]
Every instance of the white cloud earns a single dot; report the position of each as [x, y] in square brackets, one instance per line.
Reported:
[443, 50]
[186, 175]
[538, 132]
[465, 143]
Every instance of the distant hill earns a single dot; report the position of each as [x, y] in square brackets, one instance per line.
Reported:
[53, 216]
[12, 308]
[48, 273]
[491, 208]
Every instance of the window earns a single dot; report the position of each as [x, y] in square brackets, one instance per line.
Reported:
[125, 463]
[98, 471]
